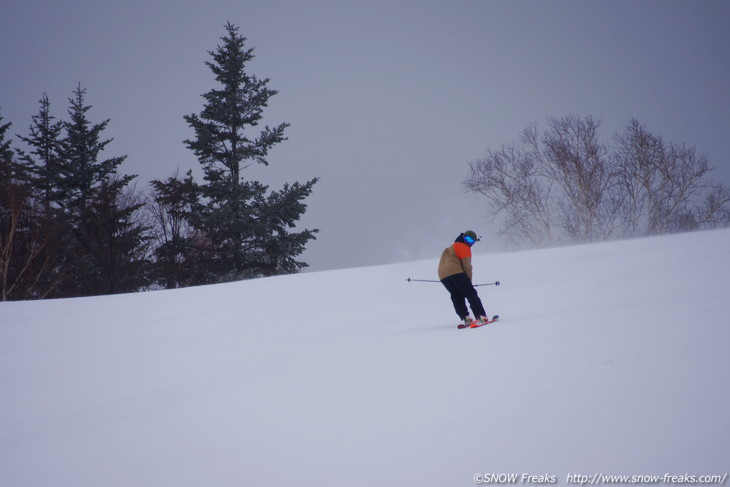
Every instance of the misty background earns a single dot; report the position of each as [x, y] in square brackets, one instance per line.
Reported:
[388, 100]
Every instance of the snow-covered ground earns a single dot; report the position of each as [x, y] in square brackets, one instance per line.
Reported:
[609, 358]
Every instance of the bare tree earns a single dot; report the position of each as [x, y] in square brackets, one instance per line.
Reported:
[564, 184]
[572, 156]
[510, 180]
[170, 207]
[637, 155]
[560, 180]
[28, 243]
[665, 185]
[715, 209]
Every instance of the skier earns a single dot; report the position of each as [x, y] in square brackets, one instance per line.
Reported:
[455, 273]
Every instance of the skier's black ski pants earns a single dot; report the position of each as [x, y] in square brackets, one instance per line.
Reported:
[461, 290]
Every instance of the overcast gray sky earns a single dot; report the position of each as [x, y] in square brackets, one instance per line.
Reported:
[388, 100]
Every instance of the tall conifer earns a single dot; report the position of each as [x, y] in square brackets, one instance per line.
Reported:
[44, 158]
[247, 230]
[104, 245]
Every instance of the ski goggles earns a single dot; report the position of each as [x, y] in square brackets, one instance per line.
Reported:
[469, 240]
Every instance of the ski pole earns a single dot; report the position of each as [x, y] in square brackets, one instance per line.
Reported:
[496, 283]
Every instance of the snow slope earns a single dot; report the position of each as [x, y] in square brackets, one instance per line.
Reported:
[610, 358]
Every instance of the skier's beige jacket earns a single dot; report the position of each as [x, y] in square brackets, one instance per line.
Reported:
[455, 259]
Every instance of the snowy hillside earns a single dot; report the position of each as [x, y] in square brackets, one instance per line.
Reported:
[610, 359]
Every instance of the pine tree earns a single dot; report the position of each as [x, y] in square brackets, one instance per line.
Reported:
[6, 153]
[81, 170]
[115, 240]
[279, 212]
[28, 238]
[43, 165]
[103, 243]
[44, 158]
[240, 222]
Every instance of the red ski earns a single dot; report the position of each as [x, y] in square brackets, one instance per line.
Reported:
[476, 324]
